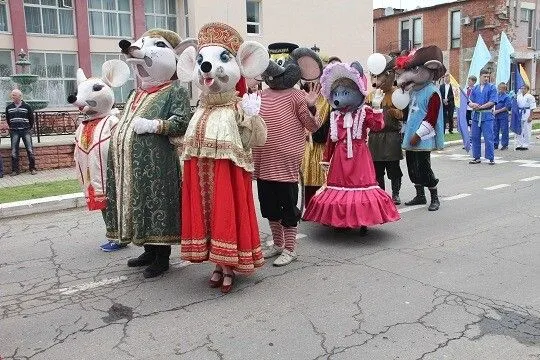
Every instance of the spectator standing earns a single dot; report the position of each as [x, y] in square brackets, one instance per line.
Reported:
[526, 104]
[449, 105]
[20, 119]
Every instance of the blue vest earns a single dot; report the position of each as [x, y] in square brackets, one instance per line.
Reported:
[417, 113]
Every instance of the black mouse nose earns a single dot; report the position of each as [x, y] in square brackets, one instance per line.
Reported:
[72, 98]
[206, 67]
[336, 102]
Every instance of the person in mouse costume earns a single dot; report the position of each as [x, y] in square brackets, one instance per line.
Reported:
[95, 99]
[385, 144]
[424, 130]
[143, 183]
[287, 112]
[351, 197]
[219, 222]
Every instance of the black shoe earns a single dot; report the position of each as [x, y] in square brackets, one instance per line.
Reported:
[492, 162]
[15, 173]
[435, 204]
[1, 176]
[475, 161]
[146, 258]
[524, 149]
[396, 199]
[160, 263]
[363, 231]
[504, 148]
[420, 198]
[519, 148]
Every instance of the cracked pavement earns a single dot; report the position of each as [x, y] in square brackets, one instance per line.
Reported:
[460, 283]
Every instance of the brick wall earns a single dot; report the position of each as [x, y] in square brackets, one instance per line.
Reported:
[47, 157]
[436, 30]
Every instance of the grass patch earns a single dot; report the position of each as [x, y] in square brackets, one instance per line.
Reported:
[451, 137]
[38, 190]
[536, 125]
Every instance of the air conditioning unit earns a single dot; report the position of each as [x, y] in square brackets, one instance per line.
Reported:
[466, 20]
[66, 4]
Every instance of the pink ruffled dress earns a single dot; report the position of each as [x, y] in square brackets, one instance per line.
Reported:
[351, 197]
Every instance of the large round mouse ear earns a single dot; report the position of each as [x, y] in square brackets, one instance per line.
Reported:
[115, 72]
[309, 62]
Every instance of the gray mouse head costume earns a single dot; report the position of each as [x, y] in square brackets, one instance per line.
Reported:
[419, 67]
[289, 64]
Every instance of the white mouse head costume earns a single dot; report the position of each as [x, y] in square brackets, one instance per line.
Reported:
[154, 55]
[222, 58]
[94, 96]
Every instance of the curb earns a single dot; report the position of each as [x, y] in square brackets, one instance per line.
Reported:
[42, 205]
[77, 200]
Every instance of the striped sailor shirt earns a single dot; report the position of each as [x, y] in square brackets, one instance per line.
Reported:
[287, 117]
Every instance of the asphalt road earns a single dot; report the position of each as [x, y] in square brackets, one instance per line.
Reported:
[460, 283]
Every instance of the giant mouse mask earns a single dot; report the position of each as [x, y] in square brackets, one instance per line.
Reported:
[221, 59]
[420, 67]
[290, 64]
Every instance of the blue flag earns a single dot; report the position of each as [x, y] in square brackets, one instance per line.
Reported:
[462, 121]
[480, 58]
[504, 62]
[515, 118]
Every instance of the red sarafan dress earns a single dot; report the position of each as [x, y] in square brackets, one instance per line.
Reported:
[219, 222]
[351, 197]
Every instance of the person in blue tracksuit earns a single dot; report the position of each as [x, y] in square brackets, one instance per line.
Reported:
[500, 124]
[482, 100]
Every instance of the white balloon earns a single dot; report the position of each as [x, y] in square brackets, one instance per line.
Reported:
[376, 63]
[400, 99]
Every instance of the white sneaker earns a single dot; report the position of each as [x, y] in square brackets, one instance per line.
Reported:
[272, 251]
[285, 258]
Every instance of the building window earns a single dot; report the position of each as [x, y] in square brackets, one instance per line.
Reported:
[110, 17]
[405, 38]
[417, 33]
[527, 16]
[120, 93]
[57, 72]
[253, 11]
[3, 17]
[48, 17]
[455, 29]
[6, 69]
[478, 23]
[160, 14]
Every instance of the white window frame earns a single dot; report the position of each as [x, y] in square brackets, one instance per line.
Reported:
[48, 79]
[255, 23]
[8, 20]
[57, 8]
[118, 12]
[528, 18]
[168, 14]
[131, 76]
[451, 27]
[400, 31]
[414, 43]
[186, 20]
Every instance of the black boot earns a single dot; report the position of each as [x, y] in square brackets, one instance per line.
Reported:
[160, 263]
[420, 198]
[146, 258]
[434, 205]
[396, 186]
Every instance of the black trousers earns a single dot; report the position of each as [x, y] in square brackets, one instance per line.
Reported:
[392, 169]
[419, 168]
[468, 116]
[278, 201]
[448, 114]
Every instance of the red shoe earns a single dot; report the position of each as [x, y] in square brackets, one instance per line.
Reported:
[226, 288]
[219, 281]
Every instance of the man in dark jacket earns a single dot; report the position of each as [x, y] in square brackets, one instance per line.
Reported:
[20, 119]
[449, 105]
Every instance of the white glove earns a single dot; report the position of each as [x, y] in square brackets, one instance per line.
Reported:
[144, 126]
[377, 99]
[251, 104]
